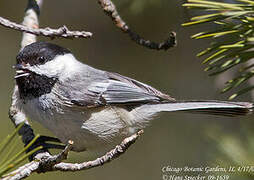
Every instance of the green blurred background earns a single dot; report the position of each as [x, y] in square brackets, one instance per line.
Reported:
[174, 139]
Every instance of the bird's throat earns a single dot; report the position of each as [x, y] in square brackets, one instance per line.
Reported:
[34, 85]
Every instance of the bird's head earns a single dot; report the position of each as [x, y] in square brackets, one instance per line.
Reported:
[38, 67]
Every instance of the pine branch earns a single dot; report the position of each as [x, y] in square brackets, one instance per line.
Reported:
[232, 38]
[9, 158]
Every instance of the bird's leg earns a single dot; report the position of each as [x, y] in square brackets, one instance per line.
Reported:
[28, 135]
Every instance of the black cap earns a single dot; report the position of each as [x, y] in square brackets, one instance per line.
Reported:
[40, 53]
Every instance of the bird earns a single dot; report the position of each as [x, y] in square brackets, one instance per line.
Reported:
[94, 108]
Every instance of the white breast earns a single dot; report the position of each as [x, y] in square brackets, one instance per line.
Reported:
[96, 130]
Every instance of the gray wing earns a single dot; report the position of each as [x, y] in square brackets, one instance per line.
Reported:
[117, 89]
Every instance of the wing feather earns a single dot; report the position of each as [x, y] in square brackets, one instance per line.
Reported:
[117, 89]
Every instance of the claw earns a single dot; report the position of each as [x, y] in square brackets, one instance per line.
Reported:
[41, 141]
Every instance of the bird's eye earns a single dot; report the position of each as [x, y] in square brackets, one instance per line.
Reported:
[41, 60]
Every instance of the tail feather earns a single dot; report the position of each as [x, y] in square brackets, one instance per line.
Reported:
[223, 111]
[221, 108]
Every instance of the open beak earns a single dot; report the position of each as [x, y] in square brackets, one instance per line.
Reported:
[21, 71]
[18, 66]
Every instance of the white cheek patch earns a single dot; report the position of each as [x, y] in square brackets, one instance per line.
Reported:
[53, 68]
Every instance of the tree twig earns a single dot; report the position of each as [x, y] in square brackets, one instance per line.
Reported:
[110, 9]
[46, 162]
[15, 113]
[63, 31]
[114, 153]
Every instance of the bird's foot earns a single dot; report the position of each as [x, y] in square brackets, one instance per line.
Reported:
[43, 141]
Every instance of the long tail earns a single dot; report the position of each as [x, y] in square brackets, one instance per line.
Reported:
[222, 108]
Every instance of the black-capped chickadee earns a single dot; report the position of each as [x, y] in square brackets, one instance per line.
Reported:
[94, 108]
